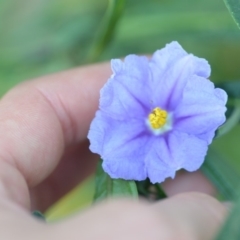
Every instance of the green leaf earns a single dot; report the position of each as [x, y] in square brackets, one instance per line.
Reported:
[234, 8]
[107, 187]
[150, 191]
[160, 192]
[231, 229]
[106, 29]
[221, 174]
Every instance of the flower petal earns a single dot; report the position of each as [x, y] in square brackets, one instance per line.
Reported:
[195, 152]
[168, 92]
[158, 161]
[172, 80]
[201, 110]
[202, 68]
[121, 145]
[166, 57]
[171, 68]
[122, 96]
[174, 151]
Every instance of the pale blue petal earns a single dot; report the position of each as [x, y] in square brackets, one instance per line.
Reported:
[158, 161]
[201, 110]
[221, 94]
[98, 132]
[166, 57]
[187, 151]
[168, 91]
[126, 94]
[195, 153]
[171, 68]
[173, 152]
[117, 65]
[124, 167]
[121, 144]
[202, 67]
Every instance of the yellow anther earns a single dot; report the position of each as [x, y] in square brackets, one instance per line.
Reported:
[157, 118]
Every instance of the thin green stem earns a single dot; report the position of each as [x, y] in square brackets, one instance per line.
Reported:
[106, 29]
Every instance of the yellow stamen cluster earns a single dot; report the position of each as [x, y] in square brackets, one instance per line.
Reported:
[157, 118]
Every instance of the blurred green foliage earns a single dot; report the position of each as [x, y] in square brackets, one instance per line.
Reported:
[233, 7]
[40, 37]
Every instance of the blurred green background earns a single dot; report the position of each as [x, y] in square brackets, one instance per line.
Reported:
[38, 37]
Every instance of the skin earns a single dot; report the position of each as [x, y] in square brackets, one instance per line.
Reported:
[44, 153]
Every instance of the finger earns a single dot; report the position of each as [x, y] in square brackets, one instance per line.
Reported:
[39, 119]
[188, 182]
[189, 216]
[15, 223]
[75, 166]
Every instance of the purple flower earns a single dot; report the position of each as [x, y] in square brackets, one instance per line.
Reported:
[156, 116]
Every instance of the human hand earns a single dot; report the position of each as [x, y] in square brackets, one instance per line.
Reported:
[44, 153]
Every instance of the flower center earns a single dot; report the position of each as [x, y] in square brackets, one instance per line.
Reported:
[157, 118]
